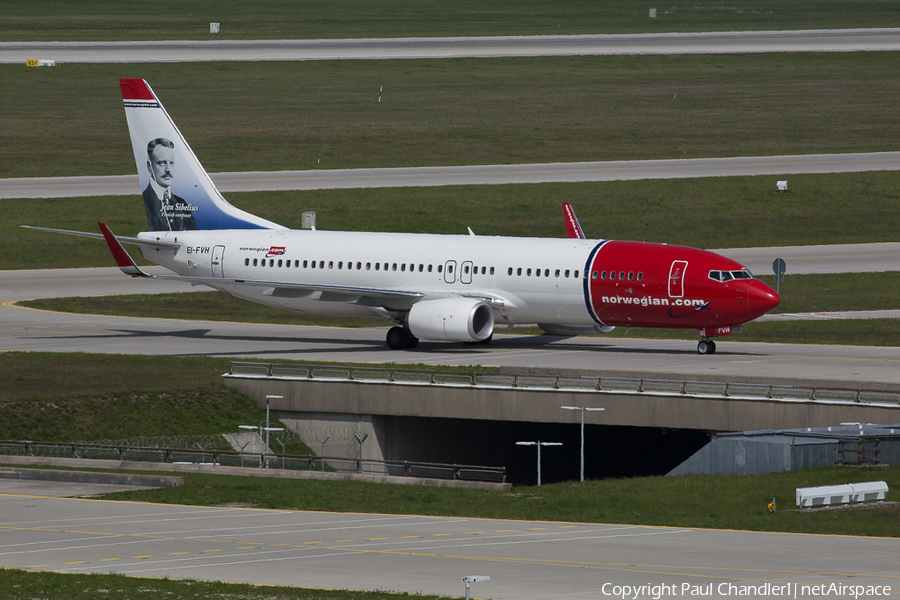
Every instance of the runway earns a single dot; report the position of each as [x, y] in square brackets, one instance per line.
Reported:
[525, 559]
[70, 187]
[740, 42]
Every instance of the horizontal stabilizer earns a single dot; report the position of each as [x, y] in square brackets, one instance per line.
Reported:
[99, 236]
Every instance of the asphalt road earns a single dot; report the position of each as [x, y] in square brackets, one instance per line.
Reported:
[780, 166]
[839, 40]
[525, 559]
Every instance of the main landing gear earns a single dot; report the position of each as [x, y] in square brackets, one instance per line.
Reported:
[399, 338]
[706, 347]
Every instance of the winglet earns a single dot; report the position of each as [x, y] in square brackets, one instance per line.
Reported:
[573, 227]
[123, 259]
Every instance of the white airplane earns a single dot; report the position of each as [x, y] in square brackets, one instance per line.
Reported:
[454, 288]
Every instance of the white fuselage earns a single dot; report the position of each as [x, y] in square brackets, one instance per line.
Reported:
[532, 280]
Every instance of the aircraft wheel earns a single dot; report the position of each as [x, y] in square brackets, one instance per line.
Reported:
[705, 347]
[413, 342]
[397, 338]
[712, 347]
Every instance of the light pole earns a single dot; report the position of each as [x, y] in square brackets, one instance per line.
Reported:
[539, 443]
[263, 459]
[268, 429]
[582, 409]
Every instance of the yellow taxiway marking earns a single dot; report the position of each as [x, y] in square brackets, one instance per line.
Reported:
[176, 553]
[405, 537]
[106, 559]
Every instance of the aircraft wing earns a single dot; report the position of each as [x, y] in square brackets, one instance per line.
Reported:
[361, 295]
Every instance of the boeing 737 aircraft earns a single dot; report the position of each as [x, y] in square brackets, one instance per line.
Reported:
[432, 287]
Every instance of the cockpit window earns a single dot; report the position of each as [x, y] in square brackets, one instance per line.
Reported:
[729, 275]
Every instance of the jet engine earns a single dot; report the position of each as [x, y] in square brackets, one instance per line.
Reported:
[557, 329]
[453, 319]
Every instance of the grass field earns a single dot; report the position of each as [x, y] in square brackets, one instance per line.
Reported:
[241, 116]
[282, 19]
[728, 212]
[25, 585]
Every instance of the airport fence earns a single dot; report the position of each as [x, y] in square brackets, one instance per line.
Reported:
[233, 458]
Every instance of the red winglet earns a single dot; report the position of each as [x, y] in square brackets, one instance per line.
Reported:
[135, 89]
[573, 227]
[123, 259]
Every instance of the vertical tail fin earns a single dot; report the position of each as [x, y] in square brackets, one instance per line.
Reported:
[178, 193]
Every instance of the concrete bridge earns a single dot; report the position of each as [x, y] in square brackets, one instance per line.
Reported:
[649, 425]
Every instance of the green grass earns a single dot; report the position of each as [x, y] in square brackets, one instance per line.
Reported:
[268, 116]
[64, 397]
[25, 585]
[727, 212]
[723, 502]
[279, 19]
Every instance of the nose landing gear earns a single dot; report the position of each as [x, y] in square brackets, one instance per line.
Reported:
[706, 347]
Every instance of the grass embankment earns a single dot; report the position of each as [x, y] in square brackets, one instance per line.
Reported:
[800, 293]
[285, 19]
[271, 116]
[53, 397]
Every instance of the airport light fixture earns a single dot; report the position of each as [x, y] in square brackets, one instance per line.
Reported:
[582, 409]
[539, 443]
[474, 579]
[263, 459]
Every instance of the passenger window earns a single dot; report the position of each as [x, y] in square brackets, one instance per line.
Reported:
[575, 275]
[612, 275]
[254, 262]
[246, 262]
[602, 274]
[640, 275]
[528, 273]
[305, 264]
[440, 268]
[567, 273]
[519, 272]
[377, 266]
[594, 275]
[537, 272]
[509, 271]
[429, 268]
[621, 275]
[402, 267]
[358, 266]
[556, 273]
[630, 275]
[466, 269]
[421, 268]
[340, 265]
[546, 272]
[492, 271]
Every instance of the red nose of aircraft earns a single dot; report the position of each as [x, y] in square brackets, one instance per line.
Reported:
[763, 299]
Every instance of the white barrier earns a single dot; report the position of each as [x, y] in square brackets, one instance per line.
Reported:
[841, 494]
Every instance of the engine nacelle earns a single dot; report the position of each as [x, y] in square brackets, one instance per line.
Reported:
[563, 329]
[453, 319]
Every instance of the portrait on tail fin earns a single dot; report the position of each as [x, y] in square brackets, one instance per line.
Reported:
[165, 210]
